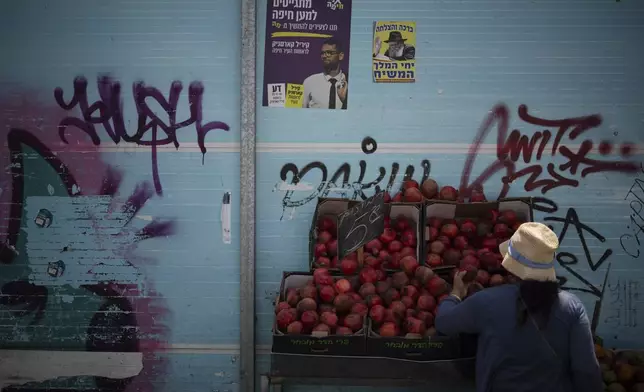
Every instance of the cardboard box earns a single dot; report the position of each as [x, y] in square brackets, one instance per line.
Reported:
[414, 213]
[345, 345]
[523, 207]
[330, 207]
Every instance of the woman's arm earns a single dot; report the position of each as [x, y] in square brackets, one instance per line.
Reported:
[455, 316]
[586, 375]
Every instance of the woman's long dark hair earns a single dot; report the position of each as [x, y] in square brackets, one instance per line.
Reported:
[536, 298]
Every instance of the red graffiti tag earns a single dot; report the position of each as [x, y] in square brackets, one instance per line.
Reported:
[510, 148]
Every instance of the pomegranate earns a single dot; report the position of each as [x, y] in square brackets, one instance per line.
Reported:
[429, 188]
[360, 308]
[294, 328]
[391, 317]
[384, 256]
[323, 262]
[451, 256]
[368, 275]
[496, 280]
[326, 223]
[483, 229]
[319, 250]
[398, 307]
[373, 300]
[387, 236]
[448, 193]
[437, 247]
[324, 237]
[470, 273]
[306, 304]
[426, 303]
[395, 246]
[432, 233]
[353, 321]
[377, 314]
[367, 289]
[477, 197]
[413, 195]
[372, 262]
[409, 265]
[319, 273]
[374, 246]
[309, 292]
[408, 238]
[482, 277]
[327, 294]
[355, 297]
[407, 301]
[348, 266]
[329, 318]
[437, 286]
[410, 291]
[383, 286]
[435, 222]
[423, 274]
[343, 303]
[398, 198]
[508, 217]
[449, 230]
[342, 286]
[326, 308]
[343, 331]
[325, 280]
[433, 260]
[322, 329]
[390, 296]
[332, 248]
[445, 240]
[468, 228]
[426, 317]
[388, 329]
[285, 317]
[281, 306]
[407, 251]
[410, 184]
[414, 325]
[399, 280]
[292, 297]
[460, 242]
[501, 230]
[469, 260]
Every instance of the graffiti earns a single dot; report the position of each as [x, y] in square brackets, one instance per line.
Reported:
[340, 181]
[127, 318]
[631, 242]
[512, 147]
[566, 260]
[108, 112]
[624, 295]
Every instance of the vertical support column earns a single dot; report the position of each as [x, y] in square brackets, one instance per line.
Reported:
[247, 198]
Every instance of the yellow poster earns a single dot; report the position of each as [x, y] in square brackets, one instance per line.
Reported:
[394, 52]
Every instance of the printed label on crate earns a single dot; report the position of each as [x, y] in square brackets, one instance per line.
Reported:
[326, 342]
[360, 224]
[421, 344]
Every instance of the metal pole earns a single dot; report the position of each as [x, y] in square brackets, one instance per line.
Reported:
[247, 198]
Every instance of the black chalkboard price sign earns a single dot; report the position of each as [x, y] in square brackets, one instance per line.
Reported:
[360, 224]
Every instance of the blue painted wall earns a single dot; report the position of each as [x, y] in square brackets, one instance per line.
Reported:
[561, 59]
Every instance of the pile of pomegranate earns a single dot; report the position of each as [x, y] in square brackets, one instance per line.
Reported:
[325, 305]
[405, 303]
[412, 192]
[325, 251]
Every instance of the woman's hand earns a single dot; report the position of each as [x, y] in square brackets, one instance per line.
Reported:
[459, 288]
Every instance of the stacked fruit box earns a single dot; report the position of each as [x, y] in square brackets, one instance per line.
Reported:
[380, 301]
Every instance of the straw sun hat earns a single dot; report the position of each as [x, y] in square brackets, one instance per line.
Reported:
[530, 253]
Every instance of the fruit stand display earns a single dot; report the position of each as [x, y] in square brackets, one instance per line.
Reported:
[319, 314]
[622, 370]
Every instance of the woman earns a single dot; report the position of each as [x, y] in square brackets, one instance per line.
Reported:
[533, 337]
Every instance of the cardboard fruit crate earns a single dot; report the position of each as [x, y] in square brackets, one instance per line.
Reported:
[327, 208]
[483, 215]
[413, 213]
[318, 344]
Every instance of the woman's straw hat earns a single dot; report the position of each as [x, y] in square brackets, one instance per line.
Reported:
[530, 253]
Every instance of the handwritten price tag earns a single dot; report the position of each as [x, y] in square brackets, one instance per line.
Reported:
[361, 224]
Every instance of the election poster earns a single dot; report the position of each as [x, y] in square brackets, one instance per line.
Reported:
[306, 60]
[394, 52]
